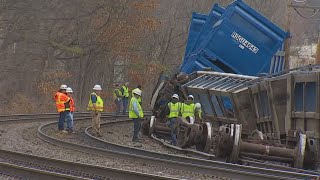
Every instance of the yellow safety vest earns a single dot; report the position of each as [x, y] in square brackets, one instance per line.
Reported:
[139, 98]
[132, 114]
[174, 109]
[188, 110]
[125, 91]
[115, 95]
[99, 103]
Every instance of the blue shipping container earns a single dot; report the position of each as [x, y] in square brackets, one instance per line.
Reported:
[241, 42]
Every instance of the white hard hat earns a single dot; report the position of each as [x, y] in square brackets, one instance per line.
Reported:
[97, 87]
[63, 87]
[69, 90]
[137, 92]
[175, 96]
[198, 105]
[191, 96]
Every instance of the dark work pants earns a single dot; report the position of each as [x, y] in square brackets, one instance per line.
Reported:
[125, 105]
[136, 127]
[118, 105]
[62, 116]
[173, 133]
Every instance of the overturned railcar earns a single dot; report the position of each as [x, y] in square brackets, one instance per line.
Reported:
[247, 113]
[273, 118]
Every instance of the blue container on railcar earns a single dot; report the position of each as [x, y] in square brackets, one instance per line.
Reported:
[197, 22]
[213, 17]
[241, 42]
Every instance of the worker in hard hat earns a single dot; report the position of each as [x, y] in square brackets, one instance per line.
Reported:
[188, 109]
[96, 107]
[117, 97]
[174, 111]
[125, 99]
[135, 113]
[198, 112]
[139, 98]
[70, 123]
[62, 103]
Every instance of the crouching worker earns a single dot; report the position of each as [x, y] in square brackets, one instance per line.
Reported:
[135, 113]
[174, 109]
[188, 109]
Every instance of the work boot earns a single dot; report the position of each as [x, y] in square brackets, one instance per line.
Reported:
[135, 139]
[71, 131]
[63, 132]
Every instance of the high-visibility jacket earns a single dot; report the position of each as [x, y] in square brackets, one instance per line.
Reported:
[174, 109]
[139, 98]
[115, 96]
[99, 103]
[125, 91]
[188, 110]
[61, 99]
[72, 106]
[132, 113]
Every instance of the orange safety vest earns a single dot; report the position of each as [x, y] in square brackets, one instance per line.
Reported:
[72, 106]
[61, 99]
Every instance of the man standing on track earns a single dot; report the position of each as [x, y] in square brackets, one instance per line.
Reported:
[125, 99]
[117, 98]
[70, 122]
[136, 114]
[174, 110]
[62, 104]
[96, 107]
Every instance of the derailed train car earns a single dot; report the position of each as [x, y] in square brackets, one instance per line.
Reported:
[273, 117]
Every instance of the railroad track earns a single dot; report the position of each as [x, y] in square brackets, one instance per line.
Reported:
[49, 117]
[247, 161]
[196, 165]
[35, 167]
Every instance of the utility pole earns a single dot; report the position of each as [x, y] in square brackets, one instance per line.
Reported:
[318, 47]
[288, 41]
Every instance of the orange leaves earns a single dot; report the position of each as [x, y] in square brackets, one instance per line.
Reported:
[150, 23]
[122, 28]
[48, 85]
[146, 5]
[21, 104]
[155, 68]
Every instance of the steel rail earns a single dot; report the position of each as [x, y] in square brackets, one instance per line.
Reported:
[255, 163]
[56, 114]
[247, 161]
[48, 117]
[201, 166]
[59, 168]
[32, 173]
[263, 169]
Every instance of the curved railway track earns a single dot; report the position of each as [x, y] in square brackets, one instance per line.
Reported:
[35, 167]
[27, 165]
[196, 165]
